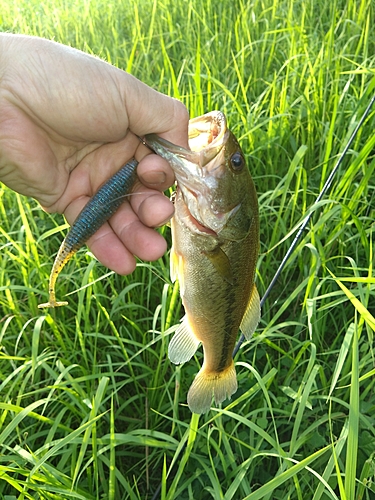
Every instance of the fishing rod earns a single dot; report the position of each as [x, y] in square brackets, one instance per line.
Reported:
[307, 219]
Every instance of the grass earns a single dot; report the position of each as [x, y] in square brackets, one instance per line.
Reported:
[90, 406]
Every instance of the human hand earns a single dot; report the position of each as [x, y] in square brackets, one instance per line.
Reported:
[68, 122]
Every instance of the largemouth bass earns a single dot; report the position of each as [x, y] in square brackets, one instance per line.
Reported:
[215, 243]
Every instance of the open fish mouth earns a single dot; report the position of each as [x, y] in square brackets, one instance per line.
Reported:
[207, 136]
[207, 132]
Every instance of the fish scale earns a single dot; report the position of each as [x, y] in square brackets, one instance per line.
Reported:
[93, 215]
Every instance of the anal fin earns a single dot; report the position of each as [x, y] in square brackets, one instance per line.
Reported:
[183, 345]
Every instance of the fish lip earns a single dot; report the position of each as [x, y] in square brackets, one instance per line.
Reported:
[159, 145]
[184, 163]
[212, 129]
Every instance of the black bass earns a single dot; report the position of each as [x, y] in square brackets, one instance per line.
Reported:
[215, 244]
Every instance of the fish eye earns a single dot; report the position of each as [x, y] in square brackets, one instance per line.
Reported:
[237, 162]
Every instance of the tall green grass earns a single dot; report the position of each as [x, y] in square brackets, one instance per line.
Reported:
[90, 406]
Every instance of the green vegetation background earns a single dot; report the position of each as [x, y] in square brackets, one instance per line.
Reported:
[90, 406]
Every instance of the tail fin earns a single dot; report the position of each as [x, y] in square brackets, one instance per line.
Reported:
[219, 385]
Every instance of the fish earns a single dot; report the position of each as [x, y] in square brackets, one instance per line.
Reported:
[215, 246]
[94, 214]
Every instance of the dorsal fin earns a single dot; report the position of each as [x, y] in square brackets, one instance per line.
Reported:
[251, 317]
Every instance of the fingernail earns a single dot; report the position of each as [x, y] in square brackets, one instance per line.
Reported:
[161, 224]
[154, 178]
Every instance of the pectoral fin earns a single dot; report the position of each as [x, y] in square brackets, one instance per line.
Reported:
[183, 345]
[221, 263]
[251, 317]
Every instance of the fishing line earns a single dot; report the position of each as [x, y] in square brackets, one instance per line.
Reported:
[306, 220]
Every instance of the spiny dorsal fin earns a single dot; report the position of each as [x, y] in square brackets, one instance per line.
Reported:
[251, 317]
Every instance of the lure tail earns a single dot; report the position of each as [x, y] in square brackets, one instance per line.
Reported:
[63, 256]
[211, 385]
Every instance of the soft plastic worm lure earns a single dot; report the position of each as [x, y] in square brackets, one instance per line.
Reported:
[97, 211]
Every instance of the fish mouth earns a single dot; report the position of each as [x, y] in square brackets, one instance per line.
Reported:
[207, 136]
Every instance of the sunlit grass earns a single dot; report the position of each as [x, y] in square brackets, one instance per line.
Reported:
[90, 406]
